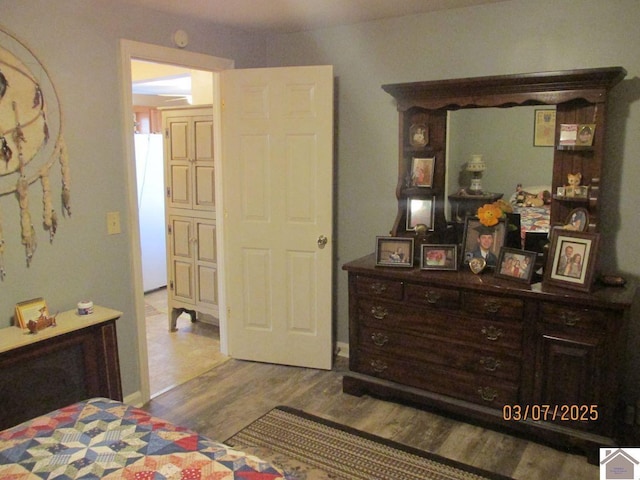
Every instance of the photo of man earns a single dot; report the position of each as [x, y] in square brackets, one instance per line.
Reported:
[483, 242]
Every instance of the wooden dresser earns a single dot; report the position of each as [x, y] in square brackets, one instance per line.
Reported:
[517, 357]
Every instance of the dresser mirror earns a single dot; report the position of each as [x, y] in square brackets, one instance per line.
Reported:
[504, 138]
[437, 107]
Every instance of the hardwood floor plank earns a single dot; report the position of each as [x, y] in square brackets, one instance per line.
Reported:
[225, 399]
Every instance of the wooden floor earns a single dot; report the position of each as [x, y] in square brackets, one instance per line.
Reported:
[176, 357]
[228, 397]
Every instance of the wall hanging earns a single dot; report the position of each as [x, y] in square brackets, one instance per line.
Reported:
[30, 140]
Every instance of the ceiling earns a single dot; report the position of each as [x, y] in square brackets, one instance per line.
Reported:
[287, 16]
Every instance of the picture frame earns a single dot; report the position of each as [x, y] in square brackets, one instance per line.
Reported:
[473, 230]
[30, 310]
[422, 171]
[586, 132]
[577, 220]
[438, 257]
[572, 259]
[418, 135]
[544, 127]
[394, 252]
[516, 264]
[420, 211]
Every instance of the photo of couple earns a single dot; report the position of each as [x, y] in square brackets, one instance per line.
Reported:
[570, 263]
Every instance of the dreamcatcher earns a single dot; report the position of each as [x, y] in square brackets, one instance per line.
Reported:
[30, 140]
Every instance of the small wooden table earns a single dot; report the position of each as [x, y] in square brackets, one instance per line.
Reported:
[467, 205]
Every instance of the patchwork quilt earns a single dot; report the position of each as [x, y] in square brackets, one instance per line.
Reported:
[102, 438]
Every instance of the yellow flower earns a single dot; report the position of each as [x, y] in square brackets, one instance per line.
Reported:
[490, 214]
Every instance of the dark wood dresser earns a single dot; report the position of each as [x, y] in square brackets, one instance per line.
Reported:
[73, 361]
[516, 357]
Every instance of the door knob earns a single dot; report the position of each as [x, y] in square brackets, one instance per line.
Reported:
[322, 241]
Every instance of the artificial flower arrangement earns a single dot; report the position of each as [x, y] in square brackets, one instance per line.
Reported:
[491, 213]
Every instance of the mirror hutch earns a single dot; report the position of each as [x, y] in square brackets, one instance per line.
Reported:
[475, 345]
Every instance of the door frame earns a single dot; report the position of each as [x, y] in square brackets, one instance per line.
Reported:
[132, 50]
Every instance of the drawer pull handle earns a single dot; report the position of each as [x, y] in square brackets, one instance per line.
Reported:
[488, 394]
[378, 366]
[492, 333]
[432, 296]
[378, 288]
[490, 364]
[570, 319]
[379, 339]
[379, 312]
[492, 306]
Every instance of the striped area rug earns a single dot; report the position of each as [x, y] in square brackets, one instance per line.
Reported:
[311, 448]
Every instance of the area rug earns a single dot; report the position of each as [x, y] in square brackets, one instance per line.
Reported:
[307, 447]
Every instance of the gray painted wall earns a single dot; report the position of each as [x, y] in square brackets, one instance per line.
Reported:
[78, 43]
[497, 39]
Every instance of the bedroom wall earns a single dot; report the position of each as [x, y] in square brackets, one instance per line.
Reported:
[501, 38]
[78, 43]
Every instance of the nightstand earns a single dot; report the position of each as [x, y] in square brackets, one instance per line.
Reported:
[467, 205]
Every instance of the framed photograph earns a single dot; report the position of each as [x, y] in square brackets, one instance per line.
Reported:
[394, 252]
[30, 310]
[420, 211]
[418, 135]
[438, 257]
[544, 128]
[422, 172]
[581, 191]
[516, 264]
[578, 220]
[585, 134]
[481, 241]
[572, 259]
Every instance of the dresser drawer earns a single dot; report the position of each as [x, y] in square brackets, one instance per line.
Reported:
[492, 306]
[379, 287]
[435, 297]
[487, 333]
[574, 317]
[479, 389]
[466, 357]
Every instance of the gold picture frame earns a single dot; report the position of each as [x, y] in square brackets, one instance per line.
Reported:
[30, 310]
[544, 128]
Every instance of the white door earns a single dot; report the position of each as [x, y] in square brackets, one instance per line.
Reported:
[277, 144]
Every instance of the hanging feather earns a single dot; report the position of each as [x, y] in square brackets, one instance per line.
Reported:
[37, 98]
[3, 84]
[66, 176]
[47, 208]
[45, 127]
[28, 232]
[18, 135]
[5, 151]
[54, 224]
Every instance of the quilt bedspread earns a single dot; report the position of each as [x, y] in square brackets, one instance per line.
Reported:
[102, 438]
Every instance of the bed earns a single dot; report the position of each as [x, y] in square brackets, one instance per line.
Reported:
[102, 438]
[534, 219]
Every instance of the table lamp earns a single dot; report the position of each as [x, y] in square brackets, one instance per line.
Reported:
[476, 166]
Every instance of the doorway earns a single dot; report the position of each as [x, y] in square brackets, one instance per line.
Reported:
[194, 347]
[134, 51]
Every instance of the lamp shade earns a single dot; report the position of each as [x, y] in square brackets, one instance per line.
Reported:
[476, 164]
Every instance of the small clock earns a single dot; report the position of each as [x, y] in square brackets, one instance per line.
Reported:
[180, 38]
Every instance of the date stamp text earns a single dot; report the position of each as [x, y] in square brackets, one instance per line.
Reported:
[552, 413]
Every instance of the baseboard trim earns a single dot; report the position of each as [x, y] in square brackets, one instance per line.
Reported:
[134, 399]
